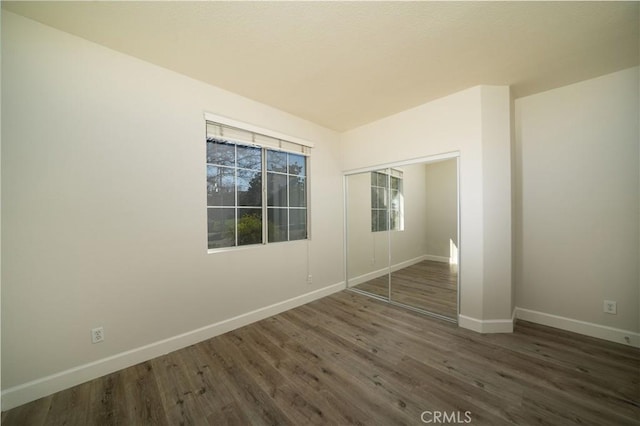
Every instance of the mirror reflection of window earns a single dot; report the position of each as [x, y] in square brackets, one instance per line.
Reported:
[387, 201]
[418, 267]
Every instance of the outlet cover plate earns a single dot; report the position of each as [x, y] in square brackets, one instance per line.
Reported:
[97, 335]
[610, 307]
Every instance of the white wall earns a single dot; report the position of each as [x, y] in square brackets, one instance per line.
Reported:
[104, 218]
[457, 123]
[578, 211]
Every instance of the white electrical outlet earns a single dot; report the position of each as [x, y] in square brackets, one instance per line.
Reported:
[610, 307]
[97, 335]
[309, 279]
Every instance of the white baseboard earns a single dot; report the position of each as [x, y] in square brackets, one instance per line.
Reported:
[486, 326]
[443, 259]
[39, 388]
[352, 282]
[581, 327]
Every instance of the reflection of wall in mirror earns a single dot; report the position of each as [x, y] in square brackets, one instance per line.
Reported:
[409, 246]
[367, 252]
[441, 211]
[430, 216]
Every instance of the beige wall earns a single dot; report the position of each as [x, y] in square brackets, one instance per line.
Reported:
[103, 197]
[578, 206]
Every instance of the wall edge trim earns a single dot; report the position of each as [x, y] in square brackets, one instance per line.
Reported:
[486, 326]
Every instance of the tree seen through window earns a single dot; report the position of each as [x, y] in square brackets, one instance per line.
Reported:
[240, 208]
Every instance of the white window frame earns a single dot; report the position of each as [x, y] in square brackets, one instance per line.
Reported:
[389, 173]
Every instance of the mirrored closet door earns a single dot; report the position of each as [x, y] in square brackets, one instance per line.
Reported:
[402, 235]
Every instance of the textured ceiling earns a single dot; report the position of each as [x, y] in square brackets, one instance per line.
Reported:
[344, 64]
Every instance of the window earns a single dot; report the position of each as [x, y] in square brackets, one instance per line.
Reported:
[255, 194]
[286, 196]
[387, 201]
[234, 194]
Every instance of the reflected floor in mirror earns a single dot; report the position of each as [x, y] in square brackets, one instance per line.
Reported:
[428, 285]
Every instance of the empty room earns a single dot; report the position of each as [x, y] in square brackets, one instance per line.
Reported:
[291, 213]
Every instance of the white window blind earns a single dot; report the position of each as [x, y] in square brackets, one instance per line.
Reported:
[224, 128]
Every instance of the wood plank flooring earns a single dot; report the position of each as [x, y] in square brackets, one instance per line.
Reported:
[428, 285]
[349, 359]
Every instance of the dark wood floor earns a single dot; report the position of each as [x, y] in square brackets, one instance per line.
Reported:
[349, 359]
[428, 285]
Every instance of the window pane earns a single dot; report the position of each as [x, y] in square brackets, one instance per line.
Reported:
[220, 186]
[383, 218]
[220, 153]
[381, 198]
[277, 225]
[395, 183]
[221, 227]
[382, 180]
[297, 165]
[297, 224]
[276, 190]
[249, 226]
[249, 188]
[297, 196]
[378, 220]
[236, 194]
[277, 161]
[249, 157]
